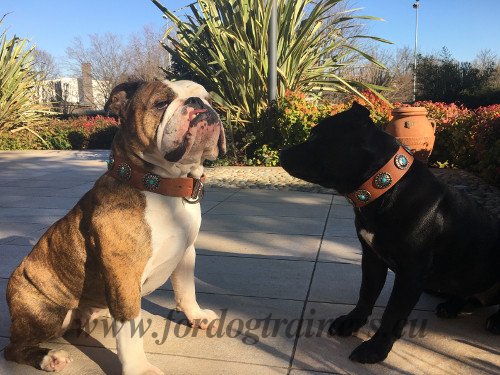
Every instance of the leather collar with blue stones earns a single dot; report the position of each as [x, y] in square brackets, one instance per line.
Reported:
[188, 188]
[383, 180]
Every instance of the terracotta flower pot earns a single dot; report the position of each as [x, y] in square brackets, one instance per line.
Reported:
[413, 129]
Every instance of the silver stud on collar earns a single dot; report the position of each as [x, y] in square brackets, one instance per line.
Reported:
[363, 195]
[151, 181]
[382, 180]
[401, 161]
[124, 171]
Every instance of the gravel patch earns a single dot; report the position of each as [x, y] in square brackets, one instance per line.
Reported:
[276, 178]
[270, 178]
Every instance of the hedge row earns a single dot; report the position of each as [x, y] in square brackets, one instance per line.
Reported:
[73, 134]
[468, 139]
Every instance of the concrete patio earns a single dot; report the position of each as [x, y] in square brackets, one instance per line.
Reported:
[269, 262]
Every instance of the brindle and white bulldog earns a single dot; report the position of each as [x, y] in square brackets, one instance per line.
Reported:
[122, 240]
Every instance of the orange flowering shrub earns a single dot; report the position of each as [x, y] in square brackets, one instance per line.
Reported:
[299, 113]
[486, 131]
[465, 138]
[380, 110]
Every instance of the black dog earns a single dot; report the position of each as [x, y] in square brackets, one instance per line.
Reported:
[433, 237]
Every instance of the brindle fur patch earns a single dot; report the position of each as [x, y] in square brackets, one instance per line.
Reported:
[94, 256]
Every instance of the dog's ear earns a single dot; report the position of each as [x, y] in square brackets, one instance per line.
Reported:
[120, 96]
[359, 111]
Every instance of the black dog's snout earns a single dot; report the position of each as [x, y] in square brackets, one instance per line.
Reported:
[194, 102]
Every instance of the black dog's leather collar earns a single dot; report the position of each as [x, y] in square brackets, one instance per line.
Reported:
[382, 180]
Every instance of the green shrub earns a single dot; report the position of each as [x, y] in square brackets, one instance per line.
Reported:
[295, 114]
[266, 156]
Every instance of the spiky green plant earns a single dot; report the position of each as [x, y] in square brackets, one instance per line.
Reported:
[224, 44]
[18, 106]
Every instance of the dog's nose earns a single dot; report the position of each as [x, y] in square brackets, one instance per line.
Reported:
[194, 102]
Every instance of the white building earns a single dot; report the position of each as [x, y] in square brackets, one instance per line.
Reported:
[71, 95]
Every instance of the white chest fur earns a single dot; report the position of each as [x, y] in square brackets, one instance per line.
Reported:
[367, 236]
[174, 226]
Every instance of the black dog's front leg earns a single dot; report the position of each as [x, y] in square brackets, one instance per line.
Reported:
[374, 273]
[405, 294]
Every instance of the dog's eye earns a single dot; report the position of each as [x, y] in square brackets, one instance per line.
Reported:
[162, 104]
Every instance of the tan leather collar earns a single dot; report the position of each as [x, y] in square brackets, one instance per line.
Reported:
[383, 180]
[191, 189]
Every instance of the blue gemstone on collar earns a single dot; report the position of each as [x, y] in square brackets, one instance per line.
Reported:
[382, 180]
[124, 171]
[151, 181]
[363, 195]
[401, 161]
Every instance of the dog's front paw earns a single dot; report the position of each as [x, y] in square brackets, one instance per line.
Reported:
[450, 308]
[55, 361]
[493, 323]
[345, 325]
[372, 351]
[148, 369]
[204, 319]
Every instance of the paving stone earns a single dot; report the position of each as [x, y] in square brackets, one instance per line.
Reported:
[262, 224]
[247, 244]
[263, 196]
[12, 231]
[10, 257]
[341, 211]
[340, 283]
[239, 337]
[256, 254]
[103, 361]
[271, 209]
[38, 202]
[340, 227]
[29, 239]
[429, 345]
[260, 277]
[340, 249]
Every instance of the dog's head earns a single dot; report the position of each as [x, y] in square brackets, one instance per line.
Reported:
[341, 151]
[172, 119]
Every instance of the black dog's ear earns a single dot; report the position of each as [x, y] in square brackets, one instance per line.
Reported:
[359, 110]
[120, 96]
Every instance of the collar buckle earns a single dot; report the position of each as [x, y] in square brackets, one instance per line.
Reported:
[198, 192]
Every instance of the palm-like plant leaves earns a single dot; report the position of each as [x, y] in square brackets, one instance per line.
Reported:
[17, 85]
[224, 44]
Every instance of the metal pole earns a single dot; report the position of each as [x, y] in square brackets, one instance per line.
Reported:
[415, 6]
[273, 52]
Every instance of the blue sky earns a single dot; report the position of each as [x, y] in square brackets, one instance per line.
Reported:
[464, 26]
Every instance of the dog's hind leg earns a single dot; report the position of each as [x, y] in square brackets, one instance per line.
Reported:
[35, 320]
